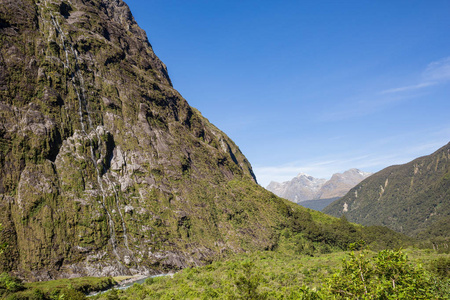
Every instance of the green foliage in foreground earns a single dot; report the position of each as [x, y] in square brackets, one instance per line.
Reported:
[297, 269]
[388, 274]
[10, 284]
[63, 289]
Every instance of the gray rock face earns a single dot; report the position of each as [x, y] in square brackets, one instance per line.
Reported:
[304, 187]
[104, 167]
[341, 183]
[301, 188]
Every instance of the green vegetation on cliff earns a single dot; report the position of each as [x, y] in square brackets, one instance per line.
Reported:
[412, 198]
[106, 170]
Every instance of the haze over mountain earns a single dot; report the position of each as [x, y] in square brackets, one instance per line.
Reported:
[412, 198]
[304, 187]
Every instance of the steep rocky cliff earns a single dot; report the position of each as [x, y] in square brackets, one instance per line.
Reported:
[104, 168]
[412, 198]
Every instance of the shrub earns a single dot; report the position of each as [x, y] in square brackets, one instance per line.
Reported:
[247, 282]
[112, 295]
[389, 275]
[37, 294]
[72, 294]
[9, 283]
[440, 267]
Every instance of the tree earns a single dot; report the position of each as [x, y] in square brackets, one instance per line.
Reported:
[247, 283]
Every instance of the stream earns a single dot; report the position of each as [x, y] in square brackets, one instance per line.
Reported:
[124, 284]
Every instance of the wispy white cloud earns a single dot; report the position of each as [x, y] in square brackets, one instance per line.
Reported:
[438, 71]
[325, 169]
[381, 153]
[409, 87]
[321, 168]
[435, 73]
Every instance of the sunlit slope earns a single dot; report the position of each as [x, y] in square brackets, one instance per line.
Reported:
[409, 198]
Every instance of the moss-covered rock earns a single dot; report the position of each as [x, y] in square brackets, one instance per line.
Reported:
[104, 168]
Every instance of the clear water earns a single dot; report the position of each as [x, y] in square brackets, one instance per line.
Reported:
[128, 284]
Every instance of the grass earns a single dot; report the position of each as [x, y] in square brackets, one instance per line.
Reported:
[82, 284]
[275, 271]
[119, 279]
[280, 274]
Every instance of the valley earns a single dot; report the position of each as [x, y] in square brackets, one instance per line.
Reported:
[108, 173]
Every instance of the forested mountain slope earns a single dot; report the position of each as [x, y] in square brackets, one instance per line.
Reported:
[410, 198]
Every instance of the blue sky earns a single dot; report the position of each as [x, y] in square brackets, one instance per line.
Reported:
[311, 86]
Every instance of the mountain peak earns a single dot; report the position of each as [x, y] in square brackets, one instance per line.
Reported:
[307, 177]
[301, 174]
[304, 187]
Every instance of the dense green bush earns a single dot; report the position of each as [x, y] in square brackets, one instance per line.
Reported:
[441, 267]
[295, 270]
[37, 294]
[10, 284]
[70, 293]
[247, 283]
[389, 275]
[362, 274]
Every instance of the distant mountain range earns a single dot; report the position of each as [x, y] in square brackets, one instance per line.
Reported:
[412, 198]
[304, 187]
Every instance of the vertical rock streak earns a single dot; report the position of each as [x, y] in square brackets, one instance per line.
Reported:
[126, 180]
[77, 78]
[116, 196]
